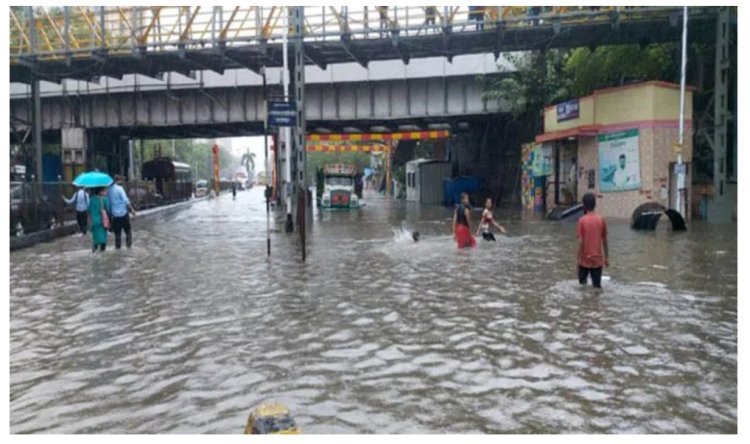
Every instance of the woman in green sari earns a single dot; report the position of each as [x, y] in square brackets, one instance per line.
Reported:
[99, 224]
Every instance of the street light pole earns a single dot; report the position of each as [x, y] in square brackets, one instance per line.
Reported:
[680, 165]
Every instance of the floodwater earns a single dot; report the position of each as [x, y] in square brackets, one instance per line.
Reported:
[195, 326]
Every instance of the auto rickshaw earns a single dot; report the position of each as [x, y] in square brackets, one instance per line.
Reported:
[271, 419]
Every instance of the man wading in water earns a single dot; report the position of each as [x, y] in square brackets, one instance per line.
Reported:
[593, 251]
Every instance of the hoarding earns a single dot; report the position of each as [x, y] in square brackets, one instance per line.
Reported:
[619, 161]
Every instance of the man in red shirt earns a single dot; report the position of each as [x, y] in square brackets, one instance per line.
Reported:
[593, 251]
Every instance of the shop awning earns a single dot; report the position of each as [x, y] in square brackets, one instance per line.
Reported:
[580, 131]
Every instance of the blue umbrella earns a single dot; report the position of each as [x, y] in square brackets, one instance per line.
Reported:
[93, 179]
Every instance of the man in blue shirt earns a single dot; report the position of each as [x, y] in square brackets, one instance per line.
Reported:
[121, 211]
[81, 199]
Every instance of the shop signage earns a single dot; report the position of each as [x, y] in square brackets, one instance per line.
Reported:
[568, 110]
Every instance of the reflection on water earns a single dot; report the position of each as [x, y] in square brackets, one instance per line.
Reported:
[194, 326]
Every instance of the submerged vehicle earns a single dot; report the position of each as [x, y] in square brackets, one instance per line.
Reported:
[173, 179]
[335, 186]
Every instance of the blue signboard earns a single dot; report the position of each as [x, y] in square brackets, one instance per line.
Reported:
[567, 110]
[282, 114]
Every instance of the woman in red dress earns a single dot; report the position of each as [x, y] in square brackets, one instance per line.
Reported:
[462, 224]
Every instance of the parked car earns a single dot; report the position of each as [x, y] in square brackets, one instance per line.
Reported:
[201, 188]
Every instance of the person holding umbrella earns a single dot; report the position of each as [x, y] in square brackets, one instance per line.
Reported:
[98, 212]
[98, 206]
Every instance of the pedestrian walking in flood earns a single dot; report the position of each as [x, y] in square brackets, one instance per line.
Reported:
[121, 212]
[462, 224]
[81, 201]
[99, 209]
[488, 221]
[593, 250]
[234, 190]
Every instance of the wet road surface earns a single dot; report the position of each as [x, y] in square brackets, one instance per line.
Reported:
[194, 326]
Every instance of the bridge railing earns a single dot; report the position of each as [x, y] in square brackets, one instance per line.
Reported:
[56, 33]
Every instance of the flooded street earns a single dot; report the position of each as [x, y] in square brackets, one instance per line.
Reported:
[195, 326]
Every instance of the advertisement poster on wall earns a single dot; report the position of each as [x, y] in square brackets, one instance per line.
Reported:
[541, 160]
[527, 190]
[619, 161]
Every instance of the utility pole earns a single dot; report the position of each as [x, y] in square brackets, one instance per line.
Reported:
[265, 150]
[680, 166]
[286, 131]
[37, 99]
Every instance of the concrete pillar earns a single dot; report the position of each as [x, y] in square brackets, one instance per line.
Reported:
[74, 147]
[131, 160]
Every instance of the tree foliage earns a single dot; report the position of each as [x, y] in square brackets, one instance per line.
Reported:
[534, 80]
[586, 70]
[542, 78]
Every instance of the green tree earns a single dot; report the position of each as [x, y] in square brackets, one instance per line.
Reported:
[534, 80]
[586, 70]
[248, 160]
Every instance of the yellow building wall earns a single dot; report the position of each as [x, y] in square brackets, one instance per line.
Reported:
[620, 106]
[615, 106]
[667, 103]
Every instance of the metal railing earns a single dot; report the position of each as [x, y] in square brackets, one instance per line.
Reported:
[35, 207]
[82, 32]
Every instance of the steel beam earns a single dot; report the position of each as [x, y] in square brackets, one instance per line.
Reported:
[298, 135]
[721, 105]
[346, 41]
[315, 56]
[193, 110]
[37, 122]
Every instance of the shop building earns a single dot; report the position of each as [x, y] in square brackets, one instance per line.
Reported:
[619, 143]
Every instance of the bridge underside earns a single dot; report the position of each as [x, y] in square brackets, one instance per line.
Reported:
[238, 111]
[322, 53]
